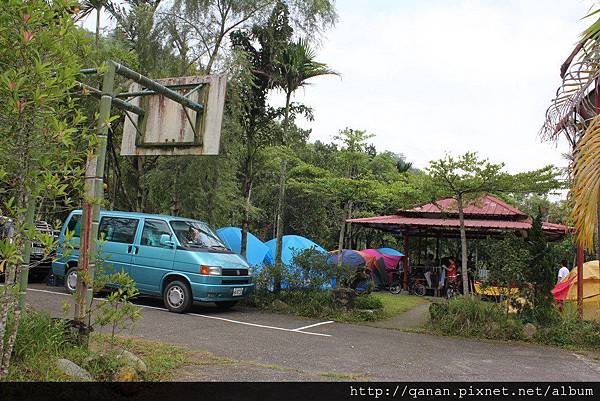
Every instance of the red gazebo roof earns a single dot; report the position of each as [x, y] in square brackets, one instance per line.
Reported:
[485, 206]
[487, 216]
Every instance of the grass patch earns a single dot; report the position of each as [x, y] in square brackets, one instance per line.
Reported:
[161, 359]
[472, 317]
[320, 304]
[396, 304]
[41, 341]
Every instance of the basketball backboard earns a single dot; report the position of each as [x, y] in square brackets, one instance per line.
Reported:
[167, 127]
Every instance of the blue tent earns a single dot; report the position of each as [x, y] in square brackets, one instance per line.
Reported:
[255, 248]
[290, 244]
[390, 251]
[350, 257]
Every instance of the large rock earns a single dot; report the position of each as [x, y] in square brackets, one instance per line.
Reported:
[132, 360]
[529, 331]
[73, 370]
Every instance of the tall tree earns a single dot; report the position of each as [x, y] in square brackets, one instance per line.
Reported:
[38, 125]
[353, 151]
[466, 178]
[296, 66]
[261, 48]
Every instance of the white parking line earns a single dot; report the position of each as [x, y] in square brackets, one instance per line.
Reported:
[261, 325]
[298, 330]
[313, 325]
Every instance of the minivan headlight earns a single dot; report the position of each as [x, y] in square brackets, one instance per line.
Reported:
[211, 270]
[250, 270]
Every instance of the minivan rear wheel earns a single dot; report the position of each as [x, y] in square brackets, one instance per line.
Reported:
[71, 280]
[177, 297]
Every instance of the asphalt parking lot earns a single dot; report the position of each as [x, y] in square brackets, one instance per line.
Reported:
[308, 345]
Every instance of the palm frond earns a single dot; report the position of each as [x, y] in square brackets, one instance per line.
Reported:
[586, 189]
[86, 8]
[574, 100]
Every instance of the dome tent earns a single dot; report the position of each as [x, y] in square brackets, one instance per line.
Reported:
[255, 248]
[374, 263]
[566, 290]
[291, 245]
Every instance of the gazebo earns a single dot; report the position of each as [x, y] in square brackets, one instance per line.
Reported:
[487, 216]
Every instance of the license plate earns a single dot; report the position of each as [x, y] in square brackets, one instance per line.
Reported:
[37, 250]
[238, 291]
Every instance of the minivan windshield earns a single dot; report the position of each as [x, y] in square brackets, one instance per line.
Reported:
[196, 234]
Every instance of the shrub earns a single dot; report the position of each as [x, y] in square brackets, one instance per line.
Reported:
[570, 331]
[39, 334]
[318, 304]
[310, 270]
[367, 302]
[471, 317]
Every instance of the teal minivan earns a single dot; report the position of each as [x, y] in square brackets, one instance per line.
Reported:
[178, 259]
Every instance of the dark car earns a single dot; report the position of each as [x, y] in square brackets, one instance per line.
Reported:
[40, 265]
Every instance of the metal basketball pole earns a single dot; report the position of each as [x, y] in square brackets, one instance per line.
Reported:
[94, 194]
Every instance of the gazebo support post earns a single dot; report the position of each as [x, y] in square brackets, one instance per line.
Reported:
[580, 281]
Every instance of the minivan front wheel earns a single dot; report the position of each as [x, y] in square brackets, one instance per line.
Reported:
[177, 297]
[71, 280]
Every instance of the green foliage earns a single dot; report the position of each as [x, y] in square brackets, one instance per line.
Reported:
[368, 302]
[542, 268]
[569, 331]
[469, 176]
[318, 304]
[473, 318]
[42, 340]
[470, 317]
[116, 310]
[311, 269]
[507, 261]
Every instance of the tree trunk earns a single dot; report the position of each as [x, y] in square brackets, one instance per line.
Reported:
[246, 222]
[463, 246]
[279, 237]
[280, 202]
[139, 163]
[29, 221]
[175, 195]
[247, 192]
[13, 273]
[98, 11]
[346, 215]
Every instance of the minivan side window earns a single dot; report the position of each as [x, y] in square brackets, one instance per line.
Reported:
[118, 229]
[153, 229]
[74, 225]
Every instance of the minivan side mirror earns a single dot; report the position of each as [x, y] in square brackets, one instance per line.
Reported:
[165, 240]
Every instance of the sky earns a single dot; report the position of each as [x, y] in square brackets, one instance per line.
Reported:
[428, 77]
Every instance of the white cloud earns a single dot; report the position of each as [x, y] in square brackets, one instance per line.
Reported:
[433, 76]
